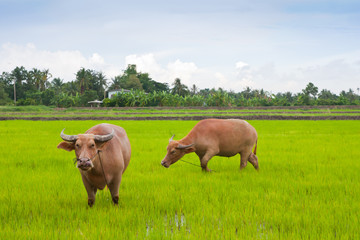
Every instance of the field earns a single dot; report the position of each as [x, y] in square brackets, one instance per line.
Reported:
[191, 113]
[308, 186]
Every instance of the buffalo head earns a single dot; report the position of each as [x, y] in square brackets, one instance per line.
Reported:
[175, 151]
[85, 145]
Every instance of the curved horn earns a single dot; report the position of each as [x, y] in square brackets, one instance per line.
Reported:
[68, 138]
[171, 138]
[184, 146]
[104, 138]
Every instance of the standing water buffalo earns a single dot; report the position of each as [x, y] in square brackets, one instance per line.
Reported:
[102, 154]
[216, 137]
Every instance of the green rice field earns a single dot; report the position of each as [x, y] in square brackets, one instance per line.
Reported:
[308, 186]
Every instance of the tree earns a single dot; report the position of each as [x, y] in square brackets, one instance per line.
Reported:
[83, 79]
[36, 75]
[102, 84]
[311, 89]
[132, 82]
[149, 85]
[194, 90]
[179, 88]
[4, 97]
[39, 78]
[87, 80]
[247, 93]
[128, 80]
[7, 84]
[44, 77]
[326, 98]
[115, 84]
[20, 76]
[57, 84]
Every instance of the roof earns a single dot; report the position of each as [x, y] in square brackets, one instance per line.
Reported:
[96, 101]
[119, 90]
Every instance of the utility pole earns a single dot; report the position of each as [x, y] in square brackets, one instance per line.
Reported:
[14, 91]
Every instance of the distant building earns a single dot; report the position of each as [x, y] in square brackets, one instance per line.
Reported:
[116, 91]
[95, 103]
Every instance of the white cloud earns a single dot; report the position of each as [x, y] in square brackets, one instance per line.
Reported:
[244, 76]
[96, 60]
[332, 74]
[221, 80]
[62, 64]
[186, 71]
[336, 73]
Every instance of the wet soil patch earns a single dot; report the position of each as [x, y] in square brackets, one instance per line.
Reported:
[246, 117]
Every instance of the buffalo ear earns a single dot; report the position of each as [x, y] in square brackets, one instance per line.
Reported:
[100, 144]
[189, 149]
[186, 148]
[68, 146]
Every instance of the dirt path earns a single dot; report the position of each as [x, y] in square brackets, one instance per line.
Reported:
[248, 117]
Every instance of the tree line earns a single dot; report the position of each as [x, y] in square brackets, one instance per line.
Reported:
[35, 87]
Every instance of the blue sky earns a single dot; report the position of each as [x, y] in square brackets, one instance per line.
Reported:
[275, 45]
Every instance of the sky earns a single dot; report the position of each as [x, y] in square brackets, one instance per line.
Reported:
[275, 45]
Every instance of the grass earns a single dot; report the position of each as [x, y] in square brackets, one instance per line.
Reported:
[307, 187]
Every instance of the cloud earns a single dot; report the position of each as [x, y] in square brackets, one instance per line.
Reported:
[186, 71]
[335, 74]
[332, 74]
[62, 64]
[244, 75]
[145, 63]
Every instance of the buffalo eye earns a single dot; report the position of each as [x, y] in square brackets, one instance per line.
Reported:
[173, 152]
[92, 145]
[77, 145]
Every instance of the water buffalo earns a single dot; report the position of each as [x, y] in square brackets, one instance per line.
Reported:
[216, 137]
[102, 154]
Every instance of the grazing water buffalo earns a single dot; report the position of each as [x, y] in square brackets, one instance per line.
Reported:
[102, 154]
[216, 137]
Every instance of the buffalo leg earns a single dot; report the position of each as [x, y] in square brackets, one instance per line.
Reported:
[254, 161]
[204, 161]
[244, 156]
[91, 191]
[114, 190]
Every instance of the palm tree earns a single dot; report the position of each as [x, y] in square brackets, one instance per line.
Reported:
[102, 81]
[194, 89]
[57, 84]
[179, 88]
[44, 77]
[115, 83]
[36, 74]
[83, 80]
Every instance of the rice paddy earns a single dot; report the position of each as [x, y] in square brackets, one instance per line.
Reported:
[308, 186]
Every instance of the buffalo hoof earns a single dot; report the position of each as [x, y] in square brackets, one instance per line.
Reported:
[91, 202]
[115, 200]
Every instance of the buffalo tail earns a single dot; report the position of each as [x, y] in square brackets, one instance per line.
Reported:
[255, 147]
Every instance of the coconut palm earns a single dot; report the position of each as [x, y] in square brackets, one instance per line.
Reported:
[179, 88]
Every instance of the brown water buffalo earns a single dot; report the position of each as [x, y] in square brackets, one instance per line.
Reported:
[216, 137]
[102, 154]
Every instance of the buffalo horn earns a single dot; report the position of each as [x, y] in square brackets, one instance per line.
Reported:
[171, 138]
[184, 146]
[104, 138]
[68, 138]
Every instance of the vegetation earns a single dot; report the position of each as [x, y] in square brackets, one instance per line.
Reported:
[308, 186]
[33, 87]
